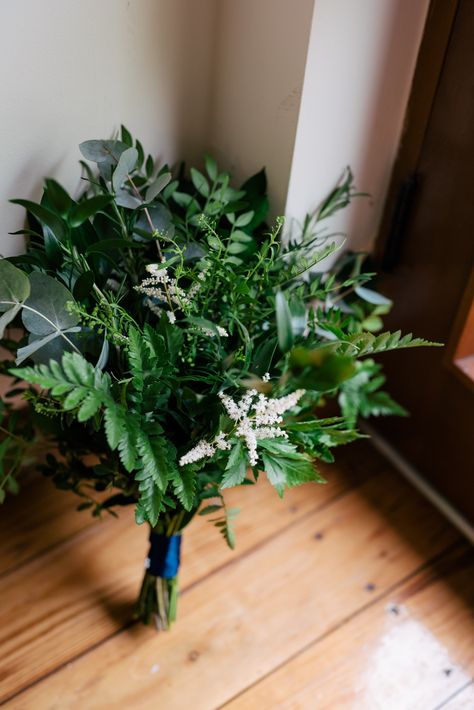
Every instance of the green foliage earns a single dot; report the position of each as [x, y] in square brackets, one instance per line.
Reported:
[285, 466]
[150, 296]
[224, 520]
[361, 395]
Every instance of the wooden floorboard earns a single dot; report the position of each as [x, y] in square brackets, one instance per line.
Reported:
[81, 589]
[322, 586]
[37, 520]
[412, 649]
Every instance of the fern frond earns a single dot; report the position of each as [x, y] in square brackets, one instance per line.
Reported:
[184, 485]
[359, 344]
[77, 384]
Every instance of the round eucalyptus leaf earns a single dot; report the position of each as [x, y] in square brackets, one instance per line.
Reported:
[45, 309]
[14, 285]
[161, 220]
[126, 164]
[157, 186]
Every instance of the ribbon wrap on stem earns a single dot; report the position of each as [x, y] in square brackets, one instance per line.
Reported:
[164, 555]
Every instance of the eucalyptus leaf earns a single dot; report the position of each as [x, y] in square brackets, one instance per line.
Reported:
[104, 355]
[45, 309]
[157, 186]
[284, 326]
[125, 166]
[42, 349]
[372, 296]
[7, 317]
[14, 285]
[106, 153]
[99, 151]
[123, 198]
[161, 219]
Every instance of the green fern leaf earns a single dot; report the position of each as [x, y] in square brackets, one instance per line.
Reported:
[150, 504]
[114, 424]
[90, 406]
[127, 446]
[184, 486]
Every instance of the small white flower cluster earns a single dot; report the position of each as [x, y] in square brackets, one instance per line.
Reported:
[205, 449]
[261, 424]
[211, 334]
[161, 287]
[256, 417]
[154, 286]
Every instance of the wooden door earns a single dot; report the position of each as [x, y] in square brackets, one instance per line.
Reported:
[427, 250]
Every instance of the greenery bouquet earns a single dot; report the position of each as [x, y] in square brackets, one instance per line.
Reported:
[172, 345]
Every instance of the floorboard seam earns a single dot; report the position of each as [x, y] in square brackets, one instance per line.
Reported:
[337, 497]
[454, 695]
[426, 565]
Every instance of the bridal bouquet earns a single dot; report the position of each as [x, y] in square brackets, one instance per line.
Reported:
[169, 345]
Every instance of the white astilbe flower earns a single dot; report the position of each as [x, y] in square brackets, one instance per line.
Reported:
[201, 451]
[211, 334]
[256, 417]
[161, 288]
[204, 449]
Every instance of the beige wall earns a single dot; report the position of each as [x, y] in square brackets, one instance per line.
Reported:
[258, 77]
[75, 69]
[222, 75]
[360, 64]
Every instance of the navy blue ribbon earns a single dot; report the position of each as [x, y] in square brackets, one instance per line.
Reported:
[164, 555]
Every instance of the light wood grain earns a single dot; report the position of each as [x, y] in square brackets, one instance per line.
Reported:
[41, 517]
[36, 520]
[246, 620]
[411, 650]
[81, 591]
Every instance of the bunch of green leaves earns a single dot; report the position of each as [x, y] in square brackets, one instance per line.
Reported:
[130, 362]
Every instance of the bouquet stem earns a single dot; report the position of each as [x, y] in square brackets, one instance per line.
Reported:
[158, 598]
[158, 601]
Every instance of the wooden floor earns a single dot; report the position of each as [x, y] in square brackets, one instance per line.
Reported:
[356, 594]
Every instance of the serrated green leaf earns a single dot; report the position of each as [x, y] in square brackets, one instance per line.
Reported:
[236, 468]
[89, 406]
[184, 485]
[114, 425]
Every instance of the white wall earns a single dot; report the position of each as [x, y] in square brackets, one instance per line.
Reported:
[360, 64]
[259, 69]
[75, 69]
[222, 75]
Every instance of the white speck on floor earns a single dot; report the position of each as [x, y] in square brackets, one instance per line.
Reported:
[155, 668]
